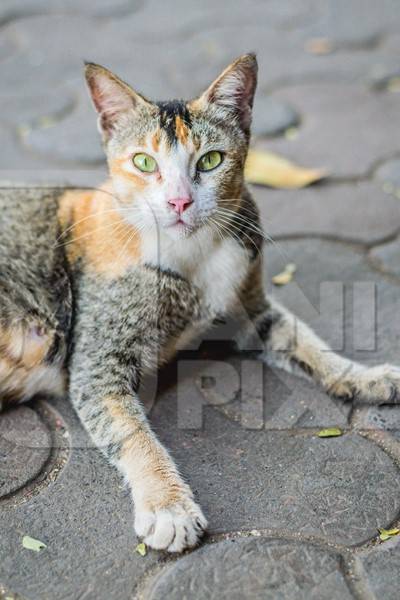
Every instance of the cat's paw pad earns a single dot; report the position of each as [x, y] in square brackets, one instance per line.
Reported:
[173, 528]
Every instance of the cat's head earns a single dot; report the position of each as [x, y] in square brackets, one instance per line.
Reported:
[174, 164]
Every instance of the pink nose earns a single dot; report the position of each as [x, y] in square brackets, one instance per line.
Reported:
[180, 204]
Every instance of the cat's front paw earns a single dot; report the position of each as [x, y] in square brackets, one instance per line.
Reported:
[173, 528]
[375, 385]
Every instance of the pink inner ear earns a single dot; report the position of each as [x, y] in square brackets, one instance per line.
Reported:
[235, 89]
[109, 97]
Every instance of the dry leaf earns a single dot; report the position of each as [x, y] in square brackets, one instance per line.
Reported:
[285, 276]
[330, 432]
[319, 46]
[266, 168]
[393, 84]
[386, 534]
[141, 549]
[31, 544]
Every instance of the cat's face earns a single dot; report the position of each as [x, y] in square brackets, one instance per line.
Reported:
[175, 165]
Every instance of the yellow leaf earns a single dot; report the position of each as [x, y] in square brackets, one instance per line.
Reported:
[330, 432]
[31, 544]
[286, 276]
[386, 534]
[266, 168]
[394, 84]
[141, 549]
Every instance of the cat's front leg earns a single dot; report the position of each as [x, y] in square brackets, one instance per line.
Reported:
[290, 344]
[166, 515]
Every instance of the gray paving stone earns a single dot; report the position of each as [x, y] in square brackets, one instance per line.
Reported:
[257, 397]
[7, 46]
[345, 141]
[339, 489]
[25, 444]
[20, 167]
[354, 24]
[328, 290]
[382, 417]
[381, 566]
[86, 520]
[260, 569]
[39, 109]
[387, 256]
[272, 118]
[191, 17]
[42, 63]
[282, 53]
[74, 139]
[344, 211]
[389, 173]
[15, 9]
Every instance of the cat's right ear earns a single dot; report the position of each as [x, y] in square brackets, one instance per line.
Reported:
[111, 97]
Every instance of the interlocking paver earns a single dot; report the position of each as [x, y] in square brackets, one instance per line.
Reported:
[329, 488]
[346, 129]
[262, 569]
[328, 290]
[386, 256]
[382, 566]
[25, 444]
[14, 9]
[343, 211]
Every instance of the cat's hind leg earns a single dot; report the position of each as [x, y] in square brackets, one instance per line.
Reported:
[26, 365]
[290, 344]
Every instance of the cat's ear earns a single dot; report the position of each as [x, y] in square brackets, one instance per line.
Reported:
[111, 97]
[234, 89]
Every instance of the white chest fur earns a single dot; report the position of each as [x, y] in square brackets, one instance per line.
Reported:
[216, 267]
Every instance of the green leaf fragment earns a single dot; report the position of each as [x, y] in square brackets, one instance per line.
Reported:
[141, 549]
[330, 432]
[386, 534]
[31, 544]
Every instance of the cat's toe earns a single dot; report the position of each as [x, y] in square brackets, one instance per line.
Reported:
[380, 385]
[173, 528]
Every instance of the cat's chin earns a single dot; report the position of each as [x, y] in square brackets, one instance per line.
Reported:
[179, 231]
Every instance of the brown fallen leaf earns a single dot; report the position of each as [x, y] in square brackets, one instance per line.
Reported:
[318, 46]
[266, 168]
[393, 84]
[285, 276]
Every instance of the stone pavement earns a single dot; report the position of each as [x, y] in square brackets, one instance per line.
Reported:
[292, 515]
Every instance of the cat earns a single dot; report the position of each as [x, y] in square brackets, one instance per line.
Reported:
[106, 284]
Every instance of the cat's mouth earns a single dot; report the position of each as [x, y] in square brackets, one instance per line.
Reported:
[181, 227]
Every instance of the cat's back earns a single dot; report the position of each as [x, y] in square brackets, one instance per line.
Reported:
[28, 223]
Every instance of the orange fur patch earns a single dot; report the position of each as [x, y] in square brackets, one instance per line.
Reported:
[116, 168]
[95, 231]
[181, 129]
[20, 345]
[155, 141]
[142, 458]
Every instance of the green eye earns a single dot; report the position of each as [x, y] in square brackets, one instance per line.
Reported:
[209, 161]
[145, 163]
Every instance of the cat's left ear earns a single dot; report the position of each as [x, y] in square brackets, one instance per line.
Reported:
[234, 89]
[111, 97]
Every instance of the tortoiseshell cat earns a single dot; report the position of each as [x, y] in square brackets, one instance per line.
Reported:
[171, 243]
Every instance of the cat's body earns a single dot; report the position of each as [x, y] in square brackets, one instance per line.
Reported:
[109, 283]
